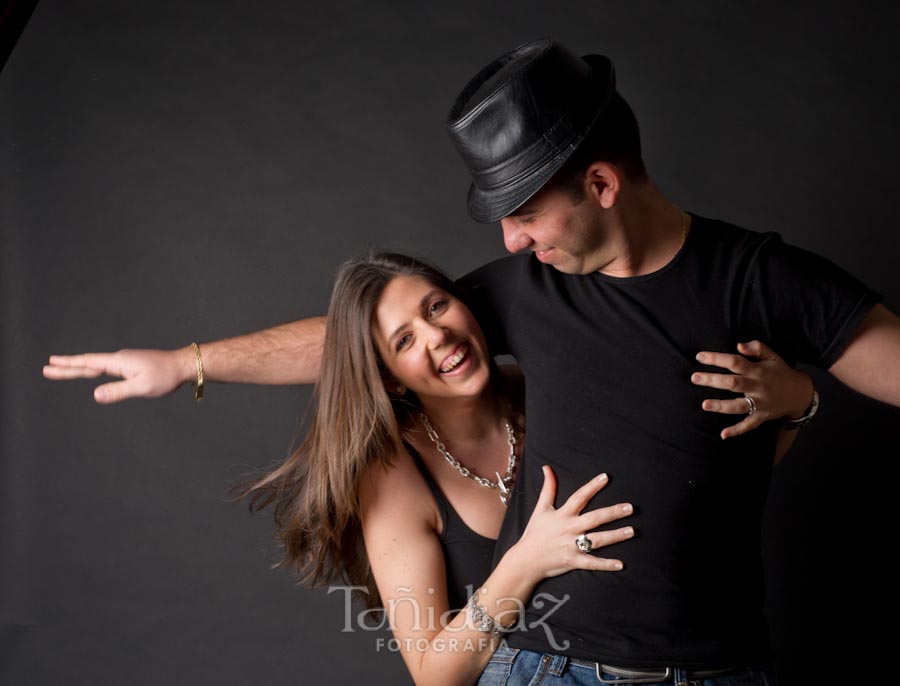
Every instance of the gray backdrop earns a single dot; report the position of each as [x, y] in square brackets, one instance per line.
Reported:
[177, 171]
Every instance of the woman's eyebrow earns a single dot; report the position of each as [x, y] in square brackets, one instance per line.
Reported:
[424, 301]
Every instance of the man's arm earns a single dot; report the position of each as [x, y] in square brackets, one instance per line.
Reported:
[871, 362]
[286, 354]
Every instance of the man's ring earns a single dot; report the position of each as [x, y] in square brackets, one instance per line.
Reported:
[751, 404]
[584, 543]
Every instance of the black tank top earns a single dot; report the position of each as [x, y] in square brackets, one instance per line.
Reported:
[468, 555]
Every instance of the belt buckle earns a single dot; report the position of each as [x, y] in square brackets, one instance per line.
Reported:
[631, 676]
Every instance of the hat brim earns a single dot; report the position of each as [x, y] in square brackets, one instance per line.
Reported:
[487, 207]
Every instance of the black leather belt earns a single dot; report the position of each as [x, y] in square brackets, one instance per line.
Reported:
[651, 675]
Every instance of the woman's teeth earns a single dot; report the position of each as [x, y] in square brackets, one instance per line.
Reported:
[457, 357]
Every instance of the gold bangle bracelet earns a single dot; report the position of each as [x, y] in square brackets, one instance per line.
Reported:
[198, 384]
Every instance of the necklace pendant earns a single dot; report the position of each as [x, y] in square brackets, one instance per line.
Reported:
[504, 490]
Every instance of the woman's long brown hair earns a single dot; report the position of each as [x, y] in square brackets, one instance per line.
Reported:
[355, 424]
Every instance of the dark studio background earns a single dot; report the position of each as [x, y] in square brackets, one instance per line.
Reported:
[177, 171]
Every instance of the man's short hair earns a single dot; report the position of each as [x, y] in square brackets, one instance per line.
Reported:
[614, 138]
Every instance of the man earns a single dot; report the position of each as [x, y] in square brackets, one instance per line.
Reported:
[604, 316]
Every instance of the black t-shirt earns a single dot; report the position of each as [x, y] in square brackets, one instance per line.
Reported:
[607, 363]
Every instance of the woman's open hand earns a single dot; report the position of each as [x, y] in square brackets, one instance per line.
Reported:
[774, 387]
[548, 542]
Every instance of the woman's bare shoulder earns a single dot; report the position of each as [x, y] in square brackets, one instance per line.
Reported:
[397, 486]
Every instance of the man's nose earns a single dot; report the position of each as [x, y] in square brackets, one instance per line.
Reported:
[513, 237]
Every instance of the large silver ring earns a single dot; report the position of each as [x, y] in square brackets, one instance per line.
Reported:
[751, 404]
[584, 543]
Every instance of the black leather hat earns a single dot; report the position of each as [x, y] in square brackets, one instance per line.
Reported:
[521, 117]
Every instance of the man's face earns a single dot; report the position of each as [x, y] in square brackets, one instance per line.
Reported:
[560, 231]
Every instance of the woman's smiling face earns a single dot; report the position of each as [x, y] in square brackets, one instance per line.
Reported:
[430, 341]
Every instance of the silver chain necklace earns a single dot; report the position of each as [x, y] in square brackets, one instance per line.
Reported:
[503, 482]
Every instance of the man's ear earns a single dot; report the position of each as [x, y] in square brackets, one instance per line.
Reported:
[603, 183]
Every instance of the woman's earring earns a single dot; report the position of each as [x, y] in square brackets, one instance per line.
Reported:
[401, 390]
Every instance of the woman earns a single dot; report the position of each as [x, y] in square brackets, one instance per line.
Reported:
[409, 408]
[370, 497]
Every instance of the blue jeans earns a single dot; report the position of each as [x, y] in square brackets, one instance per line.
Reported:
[514, 667]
